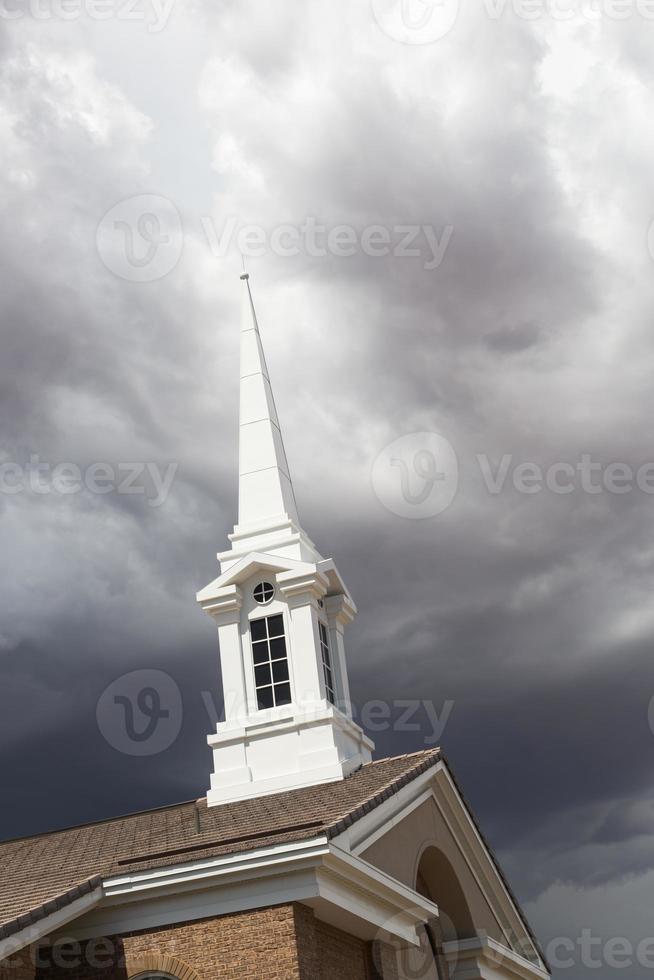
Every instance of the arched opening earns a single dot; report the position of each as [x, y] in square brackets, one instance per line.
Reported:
[158, 966]
[437, 880]
[154, 975]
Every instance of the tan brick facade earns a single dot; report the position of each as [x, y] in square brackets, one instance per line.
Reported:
[285, 942]
[20, 966]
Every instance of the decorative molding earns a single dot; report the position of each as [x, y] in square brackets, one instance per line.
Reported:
[437, 784]
[485, 957]
[224, 605]
[159, 963]
[343, 890]
[46, 925]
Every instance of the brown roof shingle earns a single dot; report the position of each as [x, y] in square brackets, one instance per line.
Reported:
[50, 867]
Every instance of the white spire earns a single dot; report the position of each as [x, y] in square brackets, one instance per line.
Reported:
[288, 720]
[265, 494]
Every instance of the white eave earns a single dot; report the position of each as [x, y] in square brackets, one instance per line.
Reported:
[245, 567]
[343, 890]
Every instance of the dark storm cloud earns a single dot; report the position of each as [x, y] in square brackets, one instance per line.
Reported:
[531, 338]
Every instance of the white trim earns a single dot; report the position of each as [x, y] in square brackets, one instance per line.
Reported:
[56, 920]
[342, 889]
[437, 784]
[492, 878]
[194, 872]
[476, 954]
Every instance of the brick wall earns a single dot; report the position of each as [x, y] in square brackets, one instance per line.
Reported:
[20, 966]
[285, 942]
[326, 953]
[341, 957]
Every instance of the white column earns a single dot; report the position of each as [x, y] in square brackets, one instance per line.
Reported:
[226, 611]
[339, 613]
[308, 681]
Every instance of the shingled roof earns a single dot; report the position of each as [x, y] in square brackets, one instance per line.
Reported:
[42, 873]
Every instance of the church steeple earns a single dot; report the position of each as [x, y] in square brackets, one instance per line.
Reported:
[265, 490]
[281, 611]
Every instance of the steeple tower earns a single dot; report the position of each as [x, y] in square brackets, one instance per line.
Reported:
[281, 610]
[265, 491]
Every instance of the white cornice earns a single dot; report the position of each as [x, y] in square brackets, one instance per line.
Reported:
[343, 890]
[50, 923]
[486, 957]
[437, 784]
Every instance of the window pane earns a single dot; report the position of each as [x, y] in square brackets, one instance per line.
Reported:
[265, 697]
[271, 671]
[260, 653]
[278, 649]
[282, 693]
[275, 625]
[280, 670]
[258, 629]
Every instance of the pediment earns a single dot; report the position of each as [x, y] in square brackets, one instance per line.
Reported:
[246, 567]
[426, 837]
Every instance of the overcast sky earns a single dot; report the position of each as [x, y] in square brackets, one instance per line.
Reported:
[510, 152]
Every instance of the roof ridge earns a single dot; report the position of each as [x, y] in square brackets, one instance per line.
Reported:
[173, 806]
[429, 757]
[39, 912]
[99, 821]
[120, 836]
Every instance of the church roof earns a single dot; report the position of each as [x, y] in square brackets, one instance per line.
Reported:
[41, 874]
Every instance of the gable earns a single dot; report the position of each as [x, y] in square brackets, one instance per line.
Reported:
[426, 838]
[422, 853]
[48, 872]
[380, 853]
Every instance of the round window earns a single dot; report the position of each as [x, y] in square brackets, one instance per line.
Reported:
[263, 593]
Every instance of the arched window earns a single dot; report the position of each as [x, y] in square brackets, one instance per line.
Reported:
[437, 880]
[159, 966]
[154, 976]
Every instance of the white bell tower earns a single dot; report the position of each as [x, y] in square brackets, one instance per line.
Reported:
[281, 610]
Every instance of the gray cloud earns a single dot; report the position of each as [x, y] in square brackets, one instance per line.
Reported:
[531, 338]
